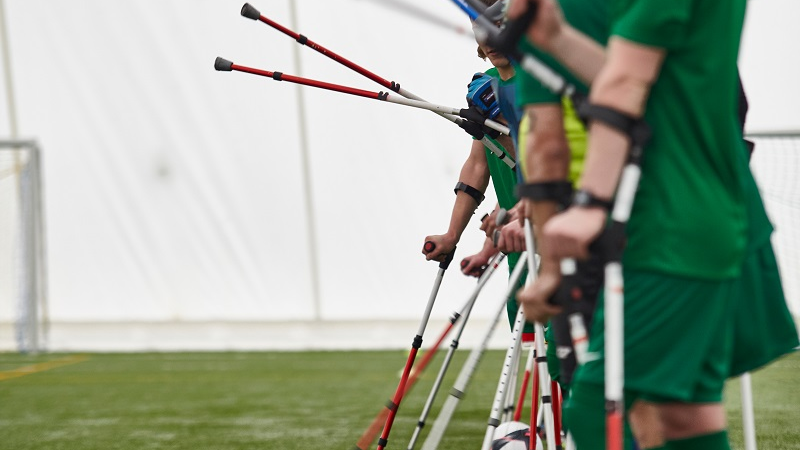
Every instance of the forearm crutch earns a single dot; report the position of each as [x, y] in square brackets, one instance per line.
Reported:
[611, 244]
[223, 65]
[465, 375]
[416, 344]
[377, 423]
[492, 267]
[250, 12]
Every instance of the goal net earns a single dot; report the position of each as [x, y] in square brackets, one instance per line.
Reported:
[23, 310]
[776, 167]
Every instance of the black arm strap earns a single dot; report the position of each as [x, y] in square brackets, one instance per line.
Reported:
[635, 128]
[556, 191]
[469, 190]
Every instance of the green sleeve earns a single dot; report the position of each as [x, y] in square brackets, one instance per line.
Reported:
[654, 23]
[531, 91]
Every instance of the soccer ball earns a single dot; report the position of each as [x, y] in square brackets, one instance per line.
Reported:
[513, 436]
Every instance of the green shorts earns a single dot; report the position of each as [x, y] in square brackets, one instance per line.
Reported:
[764, 328]
[683, 336]
[678, 337]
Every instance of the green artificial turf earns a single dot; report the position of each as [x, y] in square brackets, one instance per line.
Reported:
[298, 400]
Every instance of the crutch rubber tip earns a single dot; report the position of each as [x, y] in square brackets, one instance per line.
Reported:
[223, 64]
[250, 12]
[429, 246]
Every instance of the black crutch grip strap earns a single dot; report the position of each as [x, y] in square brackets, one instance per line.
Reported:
[447, 260]
[469, 190]
[556, 191]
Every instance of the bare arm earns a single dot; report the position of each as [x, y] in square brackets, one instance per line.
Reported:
[475, 173]
[579, 53]
[548, 158]
[624, 84]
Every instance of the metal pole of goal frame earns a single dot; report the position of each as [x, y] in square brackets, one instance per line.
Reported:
[32, 322]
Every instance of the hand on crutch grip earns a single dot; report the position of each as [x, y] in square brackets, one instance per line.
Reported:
[500, 220]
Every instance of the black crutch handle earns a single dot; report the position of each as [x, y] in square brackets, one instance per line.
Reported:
[501, 219]
[447, 260]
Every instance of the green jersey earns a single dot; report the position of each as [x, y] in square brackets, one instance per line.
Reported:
[690, 214]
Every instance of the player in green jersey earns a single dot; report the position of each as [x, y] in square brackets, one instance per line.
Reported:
[697, 232]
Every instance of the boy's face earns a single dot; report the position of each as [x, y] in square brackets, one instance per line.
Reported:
[497, 59]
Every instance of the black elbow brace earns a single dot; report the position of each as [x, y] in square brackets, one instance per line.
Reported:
[556, 191]
[469, 190]
[636, 129]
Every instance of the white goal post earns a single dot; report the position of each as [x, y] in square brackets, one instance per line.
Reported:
[23, 293]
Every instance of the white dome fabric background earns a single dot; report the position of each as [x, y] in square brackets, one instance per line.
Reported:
[176, 194]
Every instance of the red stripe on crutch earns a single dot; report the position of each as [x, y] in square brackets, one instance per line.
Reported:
[308, 82]
[614, 430]
[523, 390]
[534, 406]
[556, 392]
[334, 56]
[398, 397]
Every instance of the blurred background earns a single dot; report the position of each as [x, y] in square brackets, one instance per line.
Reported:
[148, 202]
